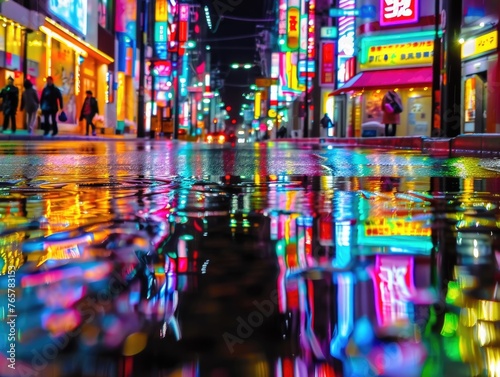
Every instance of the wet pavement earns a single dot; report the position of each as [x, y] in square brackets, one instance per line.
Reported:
[155, 258]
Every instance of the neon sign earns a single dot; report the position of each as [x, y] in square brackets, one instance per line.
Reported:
[293, 28]
[397, 12]
[393, 285]
[346, 32]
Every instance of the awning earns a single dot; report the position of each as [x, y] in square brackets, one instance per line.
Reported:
[394, 78]
[56, 31]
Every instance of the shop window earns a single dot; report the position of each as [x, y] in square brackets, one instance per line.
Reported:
[13, 49]
[63, 72]
[3, 29]
[37, 61]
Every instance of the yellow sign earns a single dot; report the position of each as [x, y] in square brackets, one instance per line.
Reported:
[257, 105]
[271, 113]
[398, 55]
[478, 45]
[161, 11]
[264, 81]
[395, 227]
[293, 28]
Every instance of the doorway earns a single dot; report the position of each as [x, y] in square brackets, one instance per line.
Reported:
[339, 116]
[475, 103]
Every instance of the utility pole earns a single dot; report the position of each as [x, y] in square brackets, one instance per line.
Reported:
[141, 42]
[436, 127]
[177, 62]
[306, 95]
[452, 84]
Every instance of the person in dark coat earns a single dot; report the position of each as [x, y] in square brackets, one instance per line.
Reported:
[89, 110]
[51, 102]
[392, 106]
[282, 132]
[10, 101]
[30, 103]
[326, 124]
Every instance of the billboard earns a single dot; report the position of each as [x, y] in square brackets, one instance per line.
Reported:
[72, 12]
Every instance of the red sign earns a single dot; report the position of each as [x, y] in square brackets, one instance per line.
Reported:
[183, 22]
[327, 63]
[172, 45]
[162, 68]
[397, 12]
[350, 68]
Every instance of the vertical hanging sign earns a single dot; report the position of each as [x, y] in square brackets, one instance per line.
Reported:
[293, 25]
[327, 65]
[161, 28]
[346, 30]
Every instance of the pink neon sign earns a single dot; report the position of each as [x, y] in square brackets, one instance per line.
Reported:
[394, 286]
[397, 12]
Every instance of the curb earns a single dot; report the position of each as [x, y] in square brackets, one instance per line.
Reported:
[473, 145]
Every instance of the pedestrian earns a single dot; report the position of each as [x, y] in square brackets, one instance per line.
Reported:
[89, 110]
[392, 107]
[282, 132]
[10, 101]
[326, 124]
[51, 102]
[30, 103]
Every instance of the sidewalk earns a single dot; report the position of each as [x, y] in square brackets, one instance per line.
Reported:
[474, 145]
[62, 136]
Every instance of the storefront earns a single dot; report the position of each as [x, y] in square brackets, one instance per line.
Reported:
[12, 41]
[479, 66]
[402, 63]
[75, 65]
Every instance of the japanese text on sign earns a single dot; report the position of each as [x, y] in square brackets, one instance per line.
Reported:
[395, 227]
[293, 30]
[394, 286]
[478, 45]
[161, 11]
[395, 12]
[399, 54]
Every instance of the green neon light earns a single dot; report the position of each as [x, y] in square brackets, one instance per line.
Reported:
[413, 36]
[383, 40]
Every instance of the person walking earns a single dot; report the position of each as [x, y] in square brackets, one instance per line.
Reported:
[391, 108]
[51, 102]
[30, 103]
[326, 124]
[89, 110]
[10, 101]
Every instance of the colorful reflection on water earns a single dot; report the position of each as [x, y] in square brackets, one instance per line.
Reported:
[275, 275]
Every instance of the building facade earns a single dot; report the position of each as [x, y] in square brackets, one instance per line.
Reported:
[394, 51]
[58, 42]
[480, 68]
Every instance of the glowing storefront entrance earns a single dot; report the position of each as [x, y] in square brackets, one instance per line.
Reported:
[479, 55]
[76, 66]
[398, 62]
